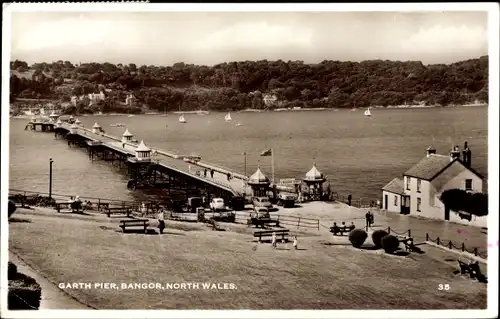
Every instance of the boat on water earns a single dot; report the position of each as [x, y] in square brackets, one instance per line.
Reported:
[117, 125]
[367, 112]
[228, 118]
[238, 124]
[201, 112]
[182, 119]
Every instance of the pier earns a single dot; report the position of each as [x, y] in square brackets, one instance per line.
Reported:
[179, 175]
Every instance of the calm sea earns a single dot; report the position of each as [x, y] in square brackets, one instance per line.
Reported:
[359, 155]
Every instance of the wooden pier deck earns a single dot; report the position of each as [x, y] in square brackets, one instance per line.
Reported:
[169, 160]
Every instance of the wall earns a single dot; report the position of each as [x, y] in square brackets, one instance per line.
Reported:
[390, 202]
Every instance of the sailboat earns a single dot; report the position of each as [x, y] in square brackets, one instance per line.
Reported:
[367, 112]
[228, 118]
[182, 119]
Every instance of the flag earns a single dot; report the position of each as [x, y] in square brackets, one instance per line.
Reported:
[268, 152]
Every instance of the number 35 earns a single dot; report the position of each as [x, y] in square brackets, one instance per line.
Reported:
[444, 287]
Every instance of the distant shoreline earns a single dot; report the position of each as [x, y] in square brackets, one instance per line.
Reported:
[273, 110]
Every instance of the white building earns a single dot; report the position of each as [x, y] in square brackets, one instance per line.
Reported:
[130, 100]
[269, 99]
[418, 192]
[94, 97]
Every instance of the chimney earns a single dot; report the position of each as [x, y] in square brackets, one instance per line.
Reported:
[430, 150]
[466, 155]
[455, 153]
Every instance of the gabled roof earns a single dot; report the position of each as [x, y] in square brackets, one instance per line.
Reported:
[429, 167]
[258, 178]
[434, 165]
[395, 186]
[142, 147]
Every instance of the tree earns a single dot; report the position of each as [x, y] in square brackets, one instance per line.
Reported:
[459, 200]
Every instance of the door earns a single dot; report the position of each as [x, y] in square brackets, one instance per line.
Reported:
[386, 199]
[446, 213]
[405, 204]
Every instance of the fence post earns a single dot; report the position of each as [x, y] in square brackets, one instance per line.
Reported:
[463, 247]
[409, 232]
[426, 236]
[475, 251]
[437, 240]
[388, 230]
[298, 223]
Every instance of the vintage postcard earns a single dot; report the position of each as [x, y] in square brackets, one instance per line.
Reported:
[238, 160]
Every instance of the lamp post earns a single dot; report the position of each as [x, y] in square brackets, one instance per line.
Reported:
[245, 183]
[50, 178]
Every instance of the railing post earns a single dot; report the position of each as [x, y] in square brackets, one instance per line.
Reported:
[388, 230]
[409, 232]
[318, 224]
[437, 241]
[463, 247]
[426, 236]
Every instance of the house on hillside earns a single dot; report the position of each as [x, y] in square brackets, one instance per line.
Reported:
[418, 191]
[269, 99]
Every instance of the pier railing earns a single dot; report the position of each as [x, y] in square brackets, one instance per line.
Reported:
[458, 247]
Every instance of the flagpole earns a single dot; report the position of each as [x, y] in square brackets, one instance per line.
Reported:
[272, 163]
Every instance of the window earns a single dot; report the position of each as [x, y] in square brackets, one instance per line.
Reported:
[418, 185]
[419, 202]
[395, 200]
[407, 182]
[468, 184]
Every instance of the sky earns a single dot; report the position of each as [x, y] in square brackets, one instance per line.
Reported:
[164, 38]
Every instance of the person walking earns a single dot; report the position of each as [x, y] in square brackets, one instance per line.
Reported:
[161, 221]
[273, 240]
[212, 173]
[295, 242]
[349, 198]
[367, 217]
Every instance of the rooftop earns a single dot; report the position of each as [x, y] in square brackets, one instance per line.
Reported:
[127, 133]
[142, 147]
[395, 186]
[429, 167]
[314, 175]
[258, 178]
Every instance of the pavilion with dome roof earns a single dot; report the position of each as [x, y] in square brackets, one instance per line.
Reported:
[314, 180]
[259, 183]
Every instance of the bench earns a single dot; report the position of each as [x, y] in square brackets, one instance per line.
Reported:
[134, 223]
[473, 270]
[262, 222]
[268, 233]
[408, 242]
[59, 206]
[341, 229]
[118, 210]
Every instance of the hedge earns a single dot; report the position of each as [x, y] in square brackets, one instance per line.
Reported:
[357, 237]
[377, 237]
[24, 292]
[390, 244]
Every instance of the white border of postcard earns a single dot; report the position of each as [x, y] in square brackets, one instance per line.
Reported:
[493, 133]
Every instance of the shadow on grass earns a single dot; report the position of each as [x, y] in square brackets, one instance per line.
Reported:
[138, 231]
[336, 244]
[369, 248]
[18, 220]
[400, 253]
[170, 233]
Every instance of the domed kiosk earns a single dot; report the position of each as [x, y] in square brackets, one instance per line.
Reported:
[314, 180]
[259, 183]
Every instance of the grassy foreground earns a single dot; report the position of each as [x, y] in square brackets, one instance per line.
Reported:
[323, 274]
